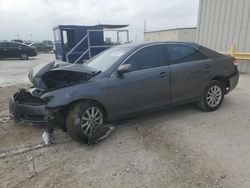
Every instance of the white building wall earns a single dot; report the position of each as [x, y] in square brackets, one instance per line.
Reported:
[182, 34]
[187, 35]
[161, 36]
[225, 22]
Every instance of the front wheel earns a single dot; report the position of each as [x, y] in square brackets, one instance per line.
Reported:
[82, 118]
[213, 96]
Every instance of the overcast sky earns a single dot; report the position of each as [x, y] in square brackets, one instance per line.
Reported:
[38, 17]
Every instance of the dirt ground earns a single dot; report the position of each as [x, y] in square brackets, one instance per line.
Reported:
[178, 147]
[14, 71]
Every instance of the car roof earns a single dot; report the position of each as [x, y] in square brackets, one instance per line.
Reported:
[141, 44]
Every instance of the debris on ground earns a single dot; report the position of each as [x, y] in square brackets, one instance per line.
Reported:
[48, 138]
[4, 116]
[31, 166]
[99, 133]
[20, 150]
[222, 176]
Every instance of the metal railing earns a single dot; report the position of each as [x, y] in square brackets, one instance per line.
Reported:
[237, 55]
[88, 50]
[67, 55]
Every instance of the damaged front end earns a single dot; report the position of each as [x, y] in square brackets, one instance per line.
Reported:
[31, 105]
[27, 106]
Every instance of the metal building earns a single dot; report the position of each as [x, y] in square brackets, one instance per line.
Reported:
[177, 34]
[225, 22]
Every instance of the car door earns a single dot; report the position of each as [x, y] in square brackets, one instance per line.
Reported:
[146, 86]
[13, 49]
[189, 72]
[3, 50]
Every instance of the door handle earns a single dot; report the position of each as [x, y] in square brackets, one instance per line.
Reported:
[4, 49]
[163, 74]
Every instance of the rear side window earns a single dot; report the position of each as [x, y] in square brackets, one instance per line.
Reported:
[181, 53]
[146, 58]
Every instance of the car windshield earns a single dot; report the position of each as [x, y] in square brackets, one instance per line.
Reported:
[107, 58]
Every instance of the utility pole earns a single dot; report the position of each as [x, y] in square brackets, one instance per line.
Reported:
[30, 36]
[17, 35]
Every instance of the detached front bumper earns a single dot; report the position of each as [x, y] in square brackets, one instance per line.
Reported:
[27, 112]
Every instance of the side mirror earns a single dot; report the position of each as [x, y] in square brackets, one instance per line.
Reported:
[123, 69]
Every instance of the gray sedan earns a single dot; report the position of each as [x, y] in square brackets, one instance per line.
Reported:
[123, 81]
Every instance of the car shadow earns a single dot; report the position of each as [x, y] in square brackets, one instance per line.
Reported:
[181, 110]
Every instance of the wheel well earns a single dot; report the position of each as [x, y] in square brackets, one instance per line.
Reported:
[66, 108]
[223, 80]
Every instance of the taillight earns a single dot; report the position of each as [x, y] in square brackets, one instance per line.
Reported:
[234, 62]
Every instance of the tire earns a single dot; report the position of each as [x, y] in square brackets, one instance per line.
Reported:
[80, 119]
[24, 56]
[213, 96]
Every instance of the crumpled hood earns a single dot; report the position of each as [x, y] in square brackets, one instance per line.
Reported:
[39, 70]
[60, 73]
[76, 68]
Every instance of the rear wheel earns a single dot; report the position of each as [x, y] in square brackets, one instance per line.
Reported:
[24, 56]
[81, 119]
[213, 96]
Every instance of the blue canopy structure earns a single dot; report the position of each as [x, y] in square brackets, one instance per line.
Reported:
[75, 43]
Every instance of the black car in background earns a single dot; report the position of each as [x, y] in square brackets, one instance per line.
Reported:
[48, 42]
[16, 50]
[41, 47]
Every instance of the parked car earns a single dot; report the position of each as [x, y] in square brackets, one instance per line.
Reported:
[124, 81]
[41, 47]
[48, 42]
[16, 50]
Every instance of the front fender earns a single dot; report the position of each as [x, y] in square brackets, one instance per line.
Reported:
[95, 90]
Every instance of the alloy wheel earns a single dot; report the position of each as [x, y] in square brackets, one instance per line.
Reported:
[24, 56]
[214, 96]
[92, 117]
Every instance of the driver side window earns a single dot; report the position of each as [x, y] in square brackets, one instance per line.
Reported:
[146, 58]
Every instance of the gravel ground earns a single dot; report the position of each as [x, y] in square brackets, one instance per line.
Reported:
[178, 147]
